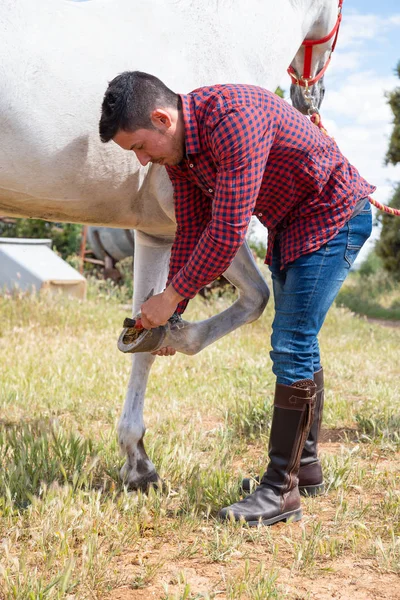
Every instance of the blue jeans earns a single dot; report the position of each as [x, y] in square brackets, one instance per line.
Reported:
[304, 291]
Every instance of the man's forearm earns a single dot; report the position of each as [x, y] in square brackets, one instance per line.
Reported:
[172, 295]
[158, 309]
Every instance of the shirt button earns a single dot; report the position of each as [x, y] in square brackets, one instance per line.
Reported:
[191, 165]
[260, 214]
[210, 190]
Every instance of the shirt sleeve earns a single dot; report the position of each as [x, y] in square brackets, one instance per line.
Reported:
[192, 213]
[240, 143]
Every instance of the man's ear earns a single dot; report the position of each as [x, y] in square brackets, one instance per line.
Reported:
[161, 119]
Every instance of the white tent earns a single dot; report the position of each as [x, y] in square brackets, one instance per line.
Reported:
[31, 265]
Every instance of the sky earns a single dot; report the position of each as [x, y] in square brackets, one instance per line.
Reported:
[355, 110]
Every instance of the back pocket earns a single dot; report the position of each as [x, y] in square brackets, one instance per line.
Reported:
[359, 230]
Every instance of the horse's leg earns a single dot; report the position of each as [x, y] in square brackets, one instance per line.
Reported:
[253, 290]
[150, 273]
[190, 338]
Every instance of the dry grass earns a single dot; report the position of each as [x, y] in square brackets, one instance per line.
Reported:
[69, 530]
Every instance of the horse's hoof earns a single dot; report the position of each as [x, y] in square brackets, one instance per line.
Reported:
[151, 481]
[133, 339]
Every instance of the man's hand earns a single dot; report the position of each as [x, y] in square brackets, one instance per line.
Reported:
[158, 309]
[167, 351]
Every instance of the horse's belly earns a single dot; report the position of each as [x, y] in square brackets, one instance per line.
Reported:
[135, 201]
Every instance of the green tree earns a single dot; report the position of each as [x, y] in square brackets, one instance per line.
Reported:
[393, 153]
[388, 246]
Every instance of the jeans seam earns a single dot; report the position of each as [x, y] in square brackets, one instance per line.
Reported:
[302, 318]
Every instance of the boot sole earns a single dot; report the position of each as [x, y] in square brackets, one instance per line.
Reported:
[304, 490]
[292, 516]
[312, 490]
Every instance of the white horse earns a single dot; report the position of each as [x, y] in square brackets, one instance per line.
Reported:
[57, 57]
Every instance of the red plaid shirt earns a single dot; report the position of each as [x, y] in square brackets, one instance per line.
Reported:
[248, 152]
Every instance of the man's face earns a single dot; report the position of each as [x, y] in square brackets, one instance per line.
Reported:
[163, 147]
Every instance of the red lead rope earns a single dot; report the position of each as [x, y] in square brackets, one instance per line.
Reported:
[386, 209]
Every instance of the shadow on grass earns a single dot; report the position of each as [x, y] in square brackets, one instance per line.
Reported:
[339, 434]
[40, 452]
[380, 428]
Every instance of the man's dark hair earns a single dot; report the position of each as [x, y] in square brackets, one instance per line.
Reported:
[129, 101]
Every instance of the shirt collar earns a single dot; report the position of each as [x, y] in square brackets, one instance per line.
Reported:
[192, 140]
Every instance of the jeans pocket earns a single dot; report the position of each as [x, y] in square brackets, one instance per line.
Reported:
[359, 230]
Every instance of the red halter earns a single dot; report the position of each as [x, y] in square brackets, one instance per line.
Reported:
[306, 80]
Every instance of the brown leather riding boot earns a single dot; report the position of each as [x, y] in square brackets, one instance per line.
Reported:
[277, 497]
[311, 480]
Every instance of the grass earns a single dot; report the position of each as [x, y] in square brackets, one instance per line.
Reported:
[68, 528]
[375, 295]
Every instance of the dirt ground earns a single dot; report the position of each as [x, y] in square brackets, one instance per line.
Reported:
[341, 579]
